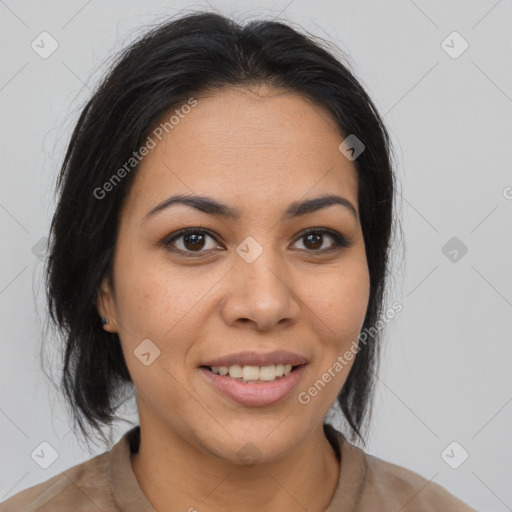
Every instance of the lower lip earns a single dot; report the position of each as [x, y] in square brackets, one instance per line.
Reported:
[256, 394]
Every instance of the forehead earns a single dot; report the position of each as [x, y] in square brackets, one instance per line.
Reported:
[248, 145]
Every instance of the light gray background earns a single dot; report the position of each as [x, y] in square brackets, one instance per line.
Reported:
[446, 369]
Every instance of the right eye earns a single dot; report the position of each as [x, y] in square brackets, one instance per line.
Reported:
[192, 240]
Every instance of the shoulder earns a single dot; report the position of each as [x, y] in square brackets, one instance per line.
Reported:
[370, 483]
[393, 485]
[82, 487]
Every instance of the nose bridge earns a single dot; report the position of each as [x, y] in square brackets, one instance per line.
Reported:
[258, 263]
[260, 290]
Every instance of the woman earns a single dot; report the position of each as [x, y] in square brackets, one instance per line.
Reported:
[220, 246]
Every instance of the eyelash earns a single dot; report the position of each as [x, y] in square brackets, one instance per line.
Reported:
[339, 240]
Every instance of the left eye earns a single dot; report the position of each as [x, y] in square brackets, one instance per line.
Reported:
[193, 240]
[316, 237]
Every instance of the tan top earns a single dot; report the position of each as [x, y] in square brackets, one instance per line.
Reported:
[107, 483]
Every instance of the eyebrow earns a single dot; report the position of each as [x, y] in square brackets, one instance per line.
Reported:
[211, 206]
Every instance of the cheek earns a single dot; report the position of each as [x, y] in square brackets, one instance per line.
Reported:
[340, 302]
[150, 299]
[340, 308]
[152, 308]
[162, 306]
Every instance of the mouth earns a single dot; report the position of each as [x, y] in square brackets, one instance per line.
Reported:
[254, 386]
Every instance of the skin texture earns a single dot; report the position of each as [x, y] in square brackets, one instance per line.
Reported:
[259, 150]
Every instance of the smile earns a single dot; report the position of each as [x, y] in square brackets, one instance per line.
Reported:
[254, 386]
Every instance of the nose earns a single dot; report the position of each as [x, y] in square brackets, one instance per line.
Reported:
[261, 293]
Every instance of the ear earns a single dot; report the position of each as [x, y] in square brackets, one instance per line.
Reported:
[105, 304]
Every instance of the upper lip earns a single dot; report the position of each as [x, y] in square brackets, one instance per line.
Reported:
[249, 358]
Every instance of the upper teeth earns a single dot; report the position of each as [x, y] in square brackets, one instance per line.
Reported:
[247, 373]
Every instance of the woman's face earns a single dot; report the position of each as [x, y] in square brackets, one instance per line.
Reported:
[253, 283]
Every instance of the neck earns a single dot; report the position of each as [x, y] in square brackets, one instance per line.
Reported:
[175, 475]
